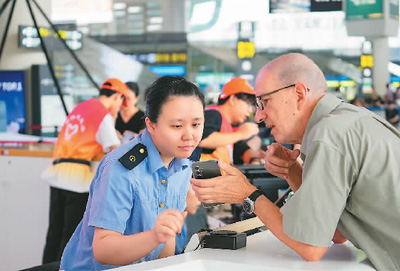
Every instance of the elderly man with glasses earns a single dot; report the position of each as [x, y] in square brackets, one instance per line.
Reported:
[349, 185]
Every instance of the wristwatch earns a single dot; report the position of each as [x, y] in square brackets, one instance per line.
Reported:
[248, 203]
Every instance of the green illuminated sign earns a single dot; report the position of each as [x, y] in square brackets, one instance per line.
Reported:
[365, 9]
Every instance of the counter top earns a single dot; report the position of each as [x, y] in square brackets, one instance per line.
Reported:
[262, 252]
[27, 149]
[30, 146]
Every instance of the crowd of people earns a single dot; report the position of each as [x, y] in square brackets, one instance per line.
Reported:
[137, 204]
[387, 106]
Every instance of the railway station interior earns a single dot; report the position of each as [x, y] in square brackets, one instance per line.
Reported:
[55, 54]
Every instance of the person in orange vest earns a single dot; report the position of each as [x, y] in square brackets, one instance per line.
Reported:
[235, 104]
[88, 130]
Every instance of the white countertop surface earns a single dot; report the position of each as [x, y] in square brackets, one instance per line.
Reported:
[8, 137]
[262, 252]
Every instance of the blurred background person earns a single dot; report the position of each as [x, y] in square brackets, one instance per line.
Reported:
[235, 105]
[87, 131]
[390, 93]
[240, 147]
[130, 120]
[357, 101]
[392, 114]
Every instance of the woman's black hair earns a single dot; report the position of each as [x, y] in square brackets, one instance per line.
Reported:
[165, 87]
[133, 86]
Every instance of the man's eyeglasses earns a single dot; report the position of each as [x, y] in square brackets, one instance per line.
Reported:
[259, 102]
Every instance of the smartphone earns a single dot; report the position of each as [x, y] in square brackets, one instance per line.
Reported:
[206, 170]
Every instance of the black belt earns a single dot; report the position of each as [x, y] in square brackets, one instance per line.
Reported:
[71, 160]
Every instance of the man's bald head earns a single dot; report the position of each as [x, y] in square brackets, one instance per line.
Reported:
[293, 68]
[289, 87]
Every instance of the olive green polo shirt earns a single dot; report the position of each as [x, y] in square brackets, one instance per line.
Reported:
[351, 181]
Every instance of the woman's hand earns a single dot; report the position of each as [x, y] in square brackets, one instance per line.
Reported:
[168, 224]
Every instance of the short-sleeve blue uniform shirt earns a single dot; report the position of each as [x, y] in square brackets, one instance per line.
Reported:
[127, 201]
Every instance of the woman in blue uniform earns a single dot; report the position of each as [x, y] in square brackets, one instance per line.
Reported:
[137, 199]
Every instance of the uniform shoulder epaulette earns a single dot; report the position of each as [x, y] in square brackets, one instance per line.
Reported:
[134, 156]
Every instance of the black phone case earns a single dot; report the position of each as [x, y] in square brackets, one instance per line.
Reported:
[206, 170]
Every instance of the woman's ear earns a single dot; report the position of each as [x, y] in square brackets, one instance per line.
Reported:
[150, 125]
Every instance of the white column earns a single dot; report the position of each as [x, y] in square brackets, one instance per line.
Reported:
[173, 15]
[380, 71]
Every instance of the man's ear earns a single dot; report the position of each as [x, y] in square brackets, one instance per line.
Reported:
[232, 99]
[301, 91]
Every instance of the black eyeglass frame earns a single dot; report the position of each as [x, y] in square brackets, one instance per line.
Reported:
[259, 103]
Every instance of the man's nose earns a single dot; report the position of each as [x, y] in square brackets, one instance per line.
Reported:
[260, 115]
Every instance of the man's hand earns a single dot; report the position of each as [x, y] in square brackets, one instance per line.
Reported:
[283, 163]
[279, 160]
[168, 224]
[233, 187]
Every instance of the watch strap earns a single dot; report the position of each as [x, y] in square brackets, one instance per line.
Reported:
[253, 196]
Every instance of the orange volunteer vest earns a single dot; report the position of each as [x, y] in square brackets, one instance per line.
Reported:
[75, 145]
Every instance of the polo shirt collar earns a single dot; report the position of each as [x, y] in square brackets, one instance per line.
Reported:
[324, 107]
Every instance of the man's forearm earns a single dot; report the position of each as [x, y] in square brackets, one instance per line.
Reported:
[271, 216]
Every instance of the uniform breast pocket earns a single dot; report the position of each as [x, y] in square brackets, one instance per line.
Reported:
[177, 201]
[146, 199]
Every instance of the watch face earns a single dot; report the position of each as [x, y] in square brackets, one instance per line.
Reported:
[248, 206]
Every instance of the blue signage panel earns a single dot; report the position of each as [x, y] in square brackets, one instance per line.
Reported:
[12, 101]
[176, 70]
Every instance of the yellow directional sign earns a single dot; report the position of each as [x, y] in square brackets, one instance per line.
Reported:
[171, 57]
[245, 49]
[366, 61]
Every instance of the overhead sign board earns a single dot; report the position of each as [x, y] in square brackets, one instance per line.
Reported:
[28, 37]
[160, 58]
[364, 9]
[326, 5]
